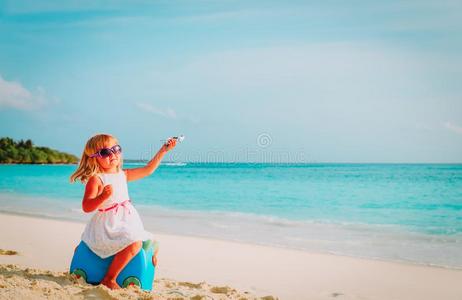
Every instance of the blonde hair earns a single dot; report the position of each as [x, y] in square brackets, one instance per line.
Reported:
[89, 166]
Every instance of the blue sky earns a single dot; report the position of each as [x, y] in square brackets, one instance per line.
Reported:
[306, 81]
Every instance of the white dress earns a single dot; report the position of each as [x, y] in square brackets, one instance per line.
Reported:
[116, 223]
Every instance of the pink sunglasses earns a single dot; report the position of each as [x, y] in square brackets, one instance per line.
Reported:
[105, 152]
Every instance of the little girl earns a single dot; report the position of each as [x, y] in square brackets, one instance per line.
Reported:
[116, 227]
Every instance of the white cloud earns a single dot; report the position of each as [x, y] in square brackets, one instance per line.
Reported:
[167, 113]
[14, 95]
[452, 127]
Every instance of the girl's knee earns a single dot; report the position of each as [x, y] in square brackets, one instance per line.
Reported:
[135, 247]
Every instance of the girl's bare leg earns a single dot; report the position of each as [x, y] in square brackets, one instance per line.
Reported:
[154, 257]
[120, 260]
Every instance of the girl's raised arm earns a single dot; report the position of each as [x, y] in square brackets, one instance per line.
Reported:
[151, 166]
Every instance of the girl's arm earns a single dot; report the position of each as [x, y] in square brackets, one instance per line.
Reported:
[92, 199]
[151, 166]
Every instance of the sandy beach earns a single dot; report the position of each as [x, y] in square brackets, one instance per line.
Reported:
[204, 268]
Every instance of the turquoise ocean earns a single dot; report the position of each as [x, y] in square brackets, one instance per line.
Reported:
[396, 212]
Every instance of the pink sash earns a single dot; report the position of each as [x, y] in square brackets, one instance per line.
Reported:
[116, 206]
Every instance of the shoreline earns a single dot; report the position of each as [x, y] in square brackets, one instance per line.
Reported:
[410, 263]
[196, 219]
[261, 270]
[259, 163]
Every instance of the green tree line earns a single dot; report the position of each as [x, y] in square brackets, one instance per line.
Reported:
[24, 152]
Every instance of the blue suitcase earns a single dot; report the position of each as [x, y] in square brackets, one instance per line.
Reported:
[139, 271]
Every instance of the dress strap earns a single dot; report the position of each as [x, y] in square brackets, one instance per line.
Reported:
[101, 177]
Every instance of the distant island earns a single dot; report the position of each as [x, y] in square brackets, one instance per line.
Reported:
[24, 152]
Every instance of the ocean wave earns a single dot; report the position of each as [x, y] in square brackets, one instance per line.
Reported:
[176, 164]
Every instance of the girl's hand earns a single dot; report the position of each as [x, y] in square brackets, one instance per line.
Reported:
[107, 192]
[169, 145]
